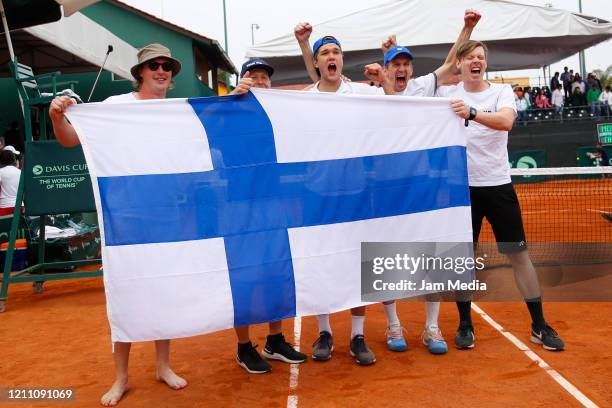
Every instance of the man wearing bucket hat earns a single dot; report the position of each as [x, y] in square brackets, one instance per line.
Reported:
[256, 73]
[153, 75]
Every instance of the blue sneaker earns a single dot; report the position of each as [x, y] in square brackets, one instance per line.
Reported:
[395, 338]
[432, 338]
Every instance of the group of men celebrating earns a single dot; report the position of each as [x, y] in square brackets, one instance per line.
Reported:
[489, 109]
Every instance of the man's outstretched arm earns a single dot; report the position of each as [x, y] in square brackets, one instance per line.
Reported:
[447, 72]
[302, 33]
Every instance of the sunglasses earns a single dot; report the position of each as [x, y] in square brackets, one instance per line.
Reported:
[166, 66]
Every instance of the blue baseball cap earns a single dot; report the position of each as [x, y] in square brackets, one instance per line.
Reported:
[328, 39]
[255, 63]
[395, 51]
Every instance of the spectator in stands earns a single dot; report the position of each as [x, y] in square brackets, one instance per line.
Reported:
[9, 181]
[593, 82]
[517, 91]
[522, 106]
[578, 98]
[605, 100]
[554, 82]
[16, 152]
[593, 97]
[542, 101]
[557, 99]
[527, 91]
[578, 83]
[565, 79]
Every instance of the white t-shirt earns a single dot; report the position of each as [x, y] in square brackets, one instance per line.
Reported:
[487, 149]
[557, 98]
[605, 96]
[127, 97]
[521, 104]
[580, 85]
[9, 183]
[422, 86]
[352, 88]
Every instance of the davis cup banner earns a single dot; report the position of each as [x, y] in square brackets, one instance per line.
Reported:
[225, 211]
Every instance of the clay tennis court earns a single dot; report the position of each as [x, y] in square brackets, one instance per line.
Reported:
[61, 338]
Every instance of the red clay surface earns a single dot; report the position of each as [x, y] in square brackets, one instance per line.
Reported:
[60, 338]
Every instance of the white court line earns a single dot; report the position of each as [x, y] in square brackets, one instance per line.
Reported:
[294, 370]
[569, 387]
[597, 211]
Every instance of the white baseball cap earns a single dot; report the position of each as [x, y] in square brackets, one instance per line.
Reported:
[12, 149]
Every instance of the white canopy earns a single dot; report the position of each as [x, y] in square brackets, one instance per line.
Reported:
[72, 44]
[518, 36]
[72, 6]
[88, 40]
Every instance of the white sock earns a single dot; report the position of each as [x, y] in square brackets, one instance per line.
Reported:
[357, 325]
[324, 323]
[433, 310]
[391, 313]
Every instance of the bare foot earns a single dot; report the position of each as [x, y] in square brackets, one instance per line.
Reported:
[169, 377]
[112, 396]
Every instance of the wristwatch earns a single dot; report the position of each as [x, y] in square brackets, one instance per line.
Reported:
[473, 113]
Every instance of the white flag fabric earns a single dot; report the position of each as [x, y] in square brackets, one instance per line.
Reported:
[225, 211]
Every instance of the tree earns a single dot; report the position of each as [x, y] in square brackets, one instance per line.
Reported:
[604, 76]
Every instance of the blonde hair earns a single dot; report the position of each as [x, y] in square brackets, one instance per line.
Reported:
[469, 46]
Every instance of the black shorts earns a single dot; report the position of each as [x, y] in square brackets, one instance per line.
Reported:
[501, 207]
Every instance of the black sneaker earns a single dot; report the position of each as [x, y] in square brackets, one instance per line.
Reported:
[548, 338]
[249, 359]
[464, 339]
[323, 347]
[361, 352]
[277, 348]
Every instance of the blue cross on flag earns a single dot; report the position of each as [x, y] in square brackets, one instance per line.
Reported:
[226, 211]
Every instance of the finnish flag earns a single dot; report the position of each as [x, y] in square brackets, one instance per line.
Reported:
[225, 211]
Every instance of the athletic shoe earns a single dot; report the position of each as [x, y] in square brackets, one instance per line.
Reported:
[548, 338]
[249, 359]
[323, 347]
[361, 352]
[277, 348]
[464, 339]
[432, 338]
[395, 338]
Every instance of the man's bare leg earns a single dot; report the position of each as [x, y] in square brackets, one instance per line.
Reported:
[242, 333]
[525, 274]
[276, 327]
[164, 372]
[121, 355]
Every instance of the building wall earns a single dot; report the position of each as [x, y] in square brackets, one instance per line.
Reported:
[138, 32]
